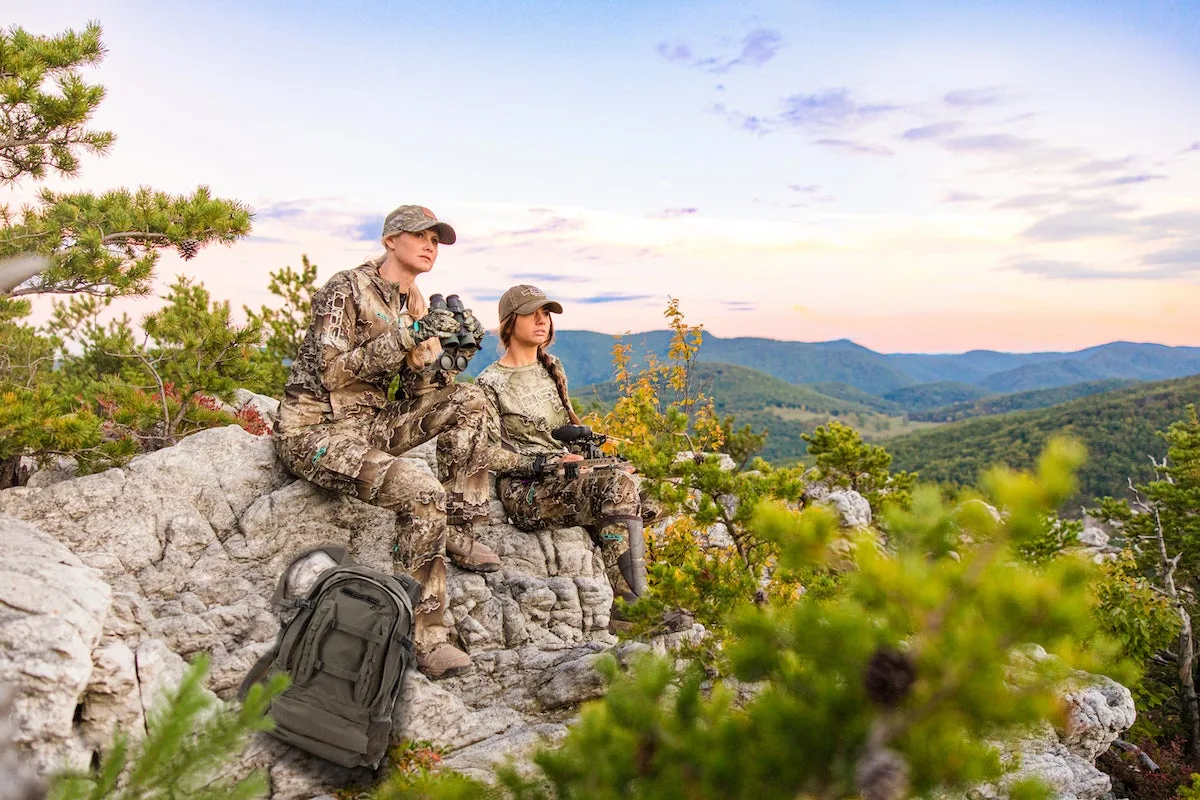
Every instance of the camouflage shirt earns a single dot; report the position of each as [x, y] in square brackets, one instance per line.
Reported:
[523, 407]
[357, 342]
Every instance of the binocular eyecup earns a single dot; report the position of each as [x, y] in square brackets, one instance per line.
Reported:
[450, 357]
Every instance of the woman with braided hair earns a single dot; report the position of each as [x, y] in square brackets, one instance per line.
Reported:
[526, 393]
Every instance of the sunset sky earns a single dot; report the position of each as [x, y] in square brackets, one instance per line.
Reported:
[916, 176]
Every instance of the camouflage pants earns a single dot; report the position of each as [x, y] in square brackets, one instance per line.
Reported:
[600, 500]
[358, 457]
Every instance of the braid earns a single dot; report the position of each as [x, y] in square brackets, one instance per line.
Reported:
[559, 376]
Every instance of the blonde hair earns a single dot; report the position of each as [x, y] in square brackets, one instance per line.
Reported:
[416, 307]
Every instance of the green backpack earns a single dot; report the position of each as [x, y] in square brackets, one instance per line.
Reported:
[346, 645]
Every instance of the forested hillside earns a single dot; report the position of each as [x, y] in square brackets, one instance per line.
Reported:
[1017, 401]
[1117, 427]
[588, 358]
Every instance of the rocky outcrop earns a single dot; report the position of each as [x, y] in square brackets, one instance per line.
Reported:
[122, 576]
[114, 581]
[1097, 710]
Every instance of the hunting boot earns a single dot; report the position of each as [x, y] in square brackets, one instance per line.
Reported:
[436, 657]
[613, 546]
[468, 552]
[461, 545]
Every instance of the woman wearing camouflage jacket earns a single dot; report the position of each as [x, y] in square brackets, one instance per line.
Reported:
[338, 429]
[526, 392]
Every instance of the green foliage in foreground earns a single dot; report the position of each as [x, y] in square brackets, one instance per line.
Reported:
[1119, 427]
[182, 757]
[887, 688]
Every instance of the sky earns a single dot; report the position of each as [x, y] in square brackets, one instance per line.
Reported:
[917, 177]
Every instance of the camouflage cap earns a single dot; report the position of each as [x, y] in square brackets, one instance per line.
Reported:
[526, 299]
[415, 219]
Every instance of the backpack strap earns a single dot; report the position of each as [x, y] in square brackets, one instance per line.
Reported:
[257, 672]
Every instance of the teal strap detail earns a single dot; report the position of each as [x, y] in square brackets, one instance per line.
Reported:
[383, 316]
[612, 537]
[529, 497]
[320, 452]
[416, 326]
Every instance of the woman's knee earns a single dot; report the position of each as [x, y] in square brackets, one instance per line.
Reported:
[407, 487]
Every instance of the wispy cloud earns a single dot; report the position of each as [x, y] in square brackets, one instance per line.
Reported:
[854, 148]
[613, 297]
[739, 305]
[1079, 224]
[367, 230]
[1194, 147]
[961, 197]
[287, 210]
[832, 109]
[1096, 165]
[673, 213]
[552, 227]
[1171, 225]
[1107, 219]
[934, 131]
[991, 142]
[1128, 180]
[1188, 253]
[754, 49]
[1035, 200]
[809, 188]
[823, 113]
[970, 98]
[548, 277]
[1071, 270]
[675, 52]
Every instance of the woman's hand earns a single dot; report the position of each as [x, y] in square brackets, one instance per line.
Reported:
[566, 458]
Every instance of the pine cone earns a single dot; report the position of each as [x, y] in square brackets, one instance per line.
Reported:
[882, 775]
[888, 676]
[188, 249]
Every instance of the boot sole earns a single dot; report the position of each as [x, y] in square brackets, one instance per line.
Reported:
[475, 567]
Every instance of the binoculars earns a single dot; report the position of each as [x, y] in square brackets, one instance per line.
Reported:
[453, 344]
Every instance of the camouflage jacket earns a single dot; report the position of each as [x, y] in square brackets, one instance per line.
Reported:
[356, 344]
[524, 405]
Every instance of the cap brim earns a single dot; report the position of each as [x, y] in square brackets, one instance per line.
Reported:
[445, 233]
[530, 306]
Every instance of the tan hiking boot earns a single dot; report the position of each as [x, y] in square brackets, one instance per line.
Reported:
[442, 660]
[469, 553]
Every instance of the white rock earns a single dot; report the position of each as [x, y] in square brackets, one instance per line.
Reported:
[52, 610]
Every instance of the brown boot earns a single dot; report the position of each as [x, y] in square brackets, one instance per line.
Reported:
[436, 657]
[442, 660]
[468, 552]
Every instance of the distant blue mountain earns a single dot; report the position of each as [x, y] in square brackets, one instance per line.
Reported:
[588, 358]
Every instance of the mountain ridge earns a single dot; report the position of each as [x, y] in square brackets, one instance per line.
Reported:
[587, 356]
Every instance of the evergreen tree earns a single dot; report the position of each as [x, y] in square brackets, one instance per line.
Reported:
[844, 459]
[1161, 525]
[284, 327]
[99, 245]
